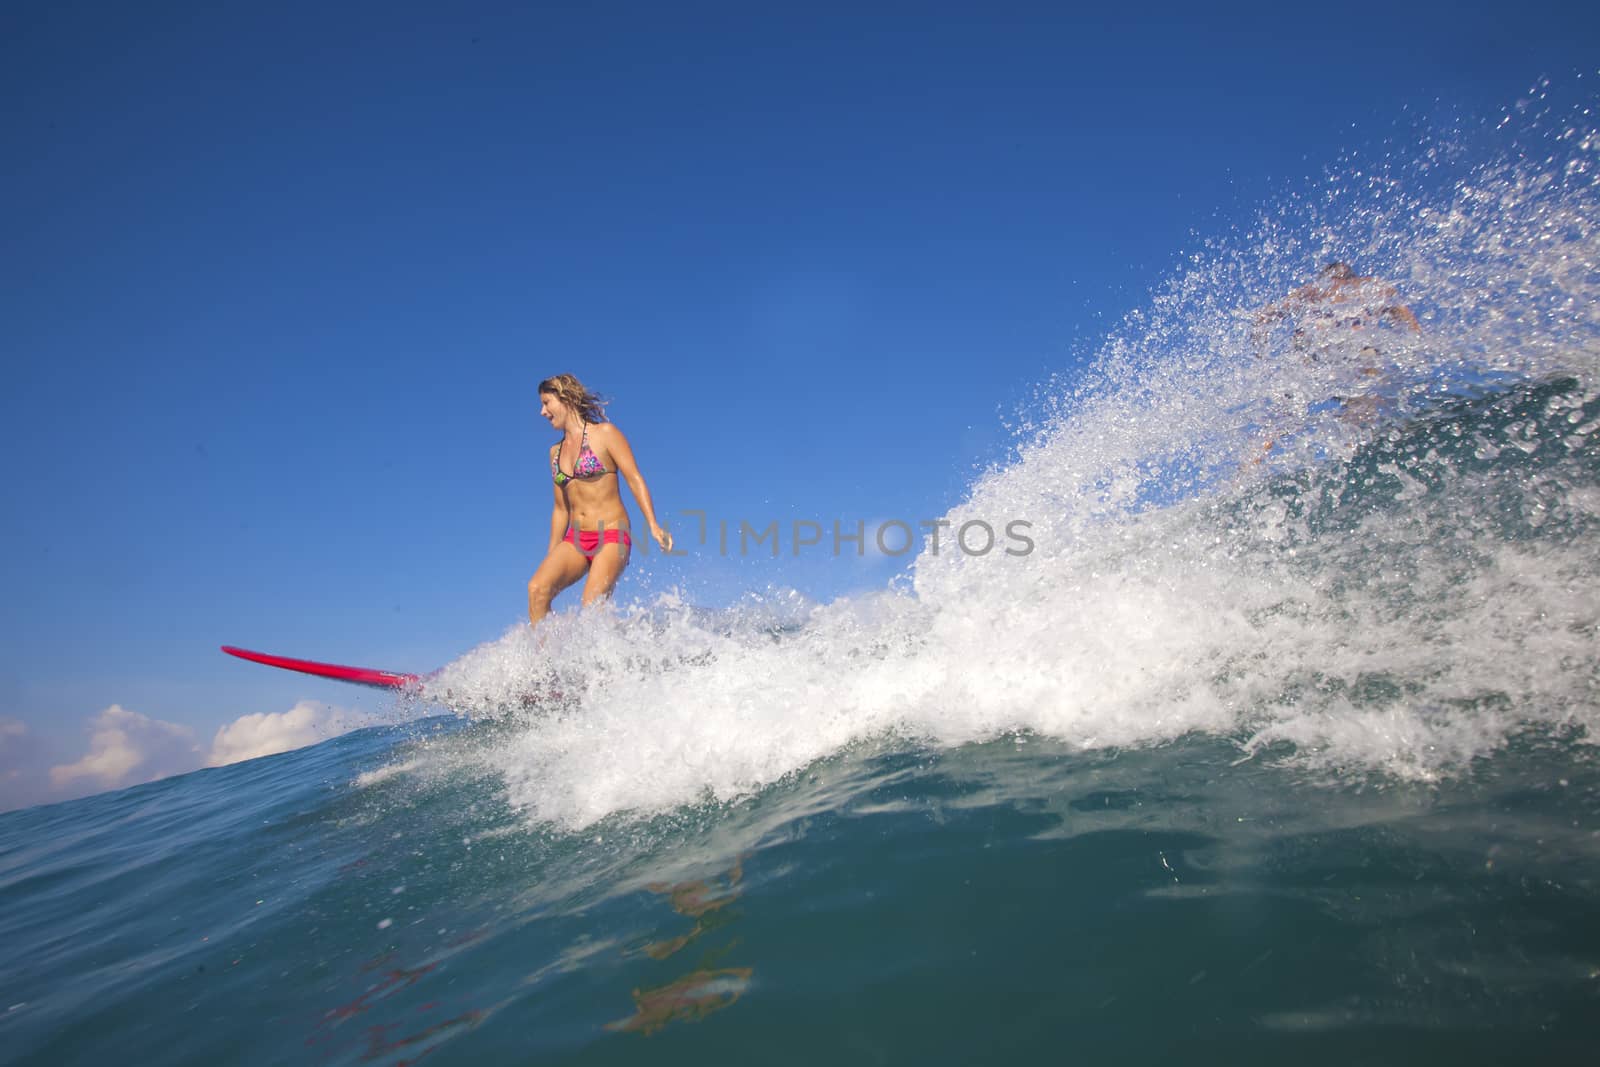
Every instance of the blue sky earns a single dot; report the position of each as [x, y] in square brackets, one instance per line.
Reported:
[279, 281]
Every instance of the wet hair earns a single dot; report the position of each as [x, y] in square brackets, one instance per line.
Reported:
[1338, 269]
[571, 392]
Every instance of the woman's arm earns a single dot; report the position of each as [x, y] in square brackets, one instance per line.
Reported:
[1404, 315]
[628, 468]
[559, 520]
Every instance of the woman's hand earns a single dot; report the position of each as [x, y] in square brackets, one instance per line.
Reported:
[663, 538]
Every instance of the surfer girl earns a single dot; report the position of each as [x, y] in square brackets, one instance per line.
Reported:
[1337, 305]
[589, 527]
[1337, 319]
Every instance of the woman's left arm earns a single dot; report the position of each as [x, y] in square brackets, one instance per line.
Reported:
[628, 468]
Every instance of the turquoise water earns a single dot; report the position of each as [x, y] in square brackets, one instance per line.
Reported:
[1264, 754]
[892, 906]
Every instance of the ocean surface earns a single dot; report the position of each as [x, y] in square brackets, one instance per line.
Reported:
[1280, 745]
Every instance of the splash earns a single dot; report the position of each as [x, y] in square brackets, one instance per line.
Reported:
[1366, 552]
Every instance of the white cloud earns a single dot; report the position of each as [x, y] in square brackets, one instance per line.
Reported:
[126, 748]
[264, 734]
[9, 729]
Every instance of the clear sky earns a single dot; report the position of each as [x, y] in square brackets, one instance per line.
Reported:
[279, 280]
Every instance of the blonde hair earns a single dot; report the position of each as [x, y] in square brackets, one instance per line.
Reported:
[571, 392]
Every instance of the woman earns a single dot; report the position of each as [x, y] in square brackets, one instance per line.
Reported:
[589, 526]
[1331, 316]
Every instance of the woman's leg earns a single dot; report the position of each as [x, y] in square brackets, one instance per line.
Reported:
[560, 568]
[604, 571]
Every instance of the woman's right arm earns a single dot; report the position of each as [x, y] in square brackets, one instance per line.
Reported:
[558, 518]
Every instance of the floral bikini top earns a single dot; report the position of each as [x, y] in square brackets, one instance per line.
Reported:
[587, 466]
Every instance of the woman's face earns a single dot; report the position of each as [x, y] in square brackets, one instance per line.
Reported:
[552, 410]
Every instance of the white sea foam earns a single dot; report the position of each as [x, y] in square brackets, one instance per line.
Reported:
[1380, 616]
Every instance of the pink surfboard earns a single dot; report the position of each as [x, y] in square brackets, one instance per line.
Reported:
[354, 675]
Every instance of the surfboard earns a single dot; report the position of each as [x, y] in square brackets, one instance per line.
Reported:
[337, 672]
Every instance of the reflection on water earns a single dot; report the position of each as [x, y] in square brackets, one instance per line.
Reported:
[708, 988]
[703, 902]
[689, 999]
[391, 1040]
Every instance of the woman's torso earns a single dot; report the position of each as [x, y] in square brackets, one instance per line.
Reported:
[587, 478]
